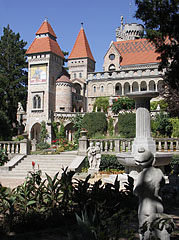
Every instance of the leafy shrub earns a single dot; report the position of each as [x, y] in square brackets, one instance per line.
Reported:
[110, 126]
[43, 145]
[162, 103]
[62, 133]
[95, 122]
[175, 127]
[175, 160]
[102, 103]
[161, 125]
[43, 132]
[19, 138]
[110, 162]
[123, 103]
[3, 157]
[127, 124]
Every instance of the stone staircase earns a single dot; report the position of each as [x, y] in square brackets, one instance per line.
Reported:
[50, 164]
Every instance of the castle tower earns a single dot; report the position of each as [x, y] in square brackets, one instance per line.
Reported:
[63, 94]
[45, 61]
[129, 31]
[80, 61]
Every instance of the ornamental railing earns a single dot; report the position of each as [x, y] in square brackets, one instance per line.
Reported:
[121, 145]
[15, 147]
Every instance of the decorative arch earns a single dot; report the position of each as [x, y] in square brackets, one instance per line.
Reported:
[69, 131]
[118, 89]
[77, 88]
[126, 87]
[135, 87]
[112, 67]
[152, 85]
[35, 132]
[160, 86]
[143, 86]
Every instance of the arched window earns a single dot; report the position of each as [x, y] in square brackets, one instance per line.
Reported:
[94, 89]
[80, 75]
[36, 102]
[102, 88]
[112, 67]
[74, 75]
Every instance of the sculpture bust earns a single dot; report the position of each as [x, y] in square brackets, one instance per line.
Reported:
[149, 181]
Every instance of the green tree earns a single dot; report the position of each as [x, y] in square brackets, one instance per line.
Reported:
[95, 122]
[77, 125]
[62, 133]
[13, 74]
[5, 129]
[161, 19]
[161, 125]
[110, 126]
[127, 124]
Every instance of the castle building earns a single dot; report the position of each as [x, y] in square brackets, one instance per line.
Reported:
[130, 64]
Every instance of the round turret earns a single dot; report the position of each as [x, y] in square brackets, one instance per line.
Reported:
[129, 31]
[63, 94]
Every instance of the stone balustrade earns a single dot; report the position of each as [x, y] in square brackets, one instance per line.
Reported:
[123, 73]
[119, 145]
[66, 115]
[15, 147]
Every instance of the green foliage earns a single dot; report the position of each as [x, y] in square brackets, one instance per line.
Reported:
[163, 105]
[43, 145]
[102, 103]
[3, 157]
[5, 131]
[43, 132]
[13, 74]
[161, 25]
[123, 103]
[38, 204]
[175, 127]
[127, 125]
[175, 160]
[62, 133]
[77, 125]
[109, 162]
[161, 125]
[19, 138]
[55, 130]
[95, 122]
[110, 126]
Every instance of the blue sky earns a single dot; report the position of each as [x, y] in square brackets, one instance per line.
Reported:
[100, 18]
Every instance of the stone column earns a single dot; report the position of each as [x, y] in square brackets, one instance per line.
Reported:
[143, 128]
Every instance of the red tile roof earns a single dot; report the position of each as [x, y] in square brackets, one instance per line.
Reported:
[81, 48]
[138, 51]
[46, 28]
[45, 44]
[64, 78]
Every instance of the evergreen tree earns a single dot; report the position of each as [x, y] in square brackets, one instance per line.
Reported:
[13, 74]
[161, 18]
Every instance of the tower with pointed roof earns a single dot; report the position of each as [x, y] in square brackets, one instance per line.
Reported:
[45, 63]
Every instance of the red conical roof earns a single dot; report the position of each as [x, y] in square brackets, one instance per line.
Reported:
[46, 28]
[81, 48]
[43, 44]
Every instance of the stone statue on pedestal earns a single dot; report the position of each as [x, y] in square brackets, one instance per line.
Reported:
[150, 210]
[94, 157]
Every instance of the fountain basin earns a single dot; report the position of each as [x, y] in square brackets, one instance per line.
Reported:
[161, 159]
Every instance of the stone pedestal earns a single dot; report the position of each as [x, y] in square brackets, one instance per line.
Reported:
[143, 128]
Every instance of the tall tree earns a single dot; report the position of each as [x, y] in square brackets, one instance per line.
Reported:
[161, 18]
[13, 73]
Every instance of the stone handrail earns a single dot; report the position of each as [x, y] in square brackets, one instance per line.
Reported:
[119, 145]
[15, 147]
